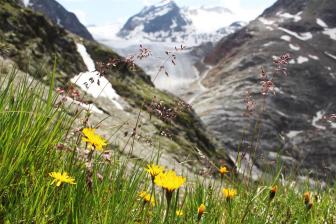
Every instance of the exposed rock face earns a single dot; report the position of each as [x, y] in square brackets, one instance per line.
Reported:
[292, 121]
[59, 15]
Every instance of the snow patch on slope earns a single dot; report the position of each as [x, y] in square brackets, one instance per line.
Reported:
[293, 134]
[268, 44]
[319, 115]
[286, 15]
[265, 21]
[330, 32]
[330, 55]
[301, 60]
[313, 57]
[90, 65]
[321, 23]
[286, 38]
[88, 81]
[301, 36]
[294, 47]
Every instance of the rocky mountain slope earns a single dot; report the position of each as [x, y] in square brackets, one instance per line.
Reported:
[60, 16]
[34, 44]
[292, 121]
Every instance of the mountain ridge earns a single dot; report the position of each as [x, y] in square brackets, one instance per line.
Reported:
[60, 16]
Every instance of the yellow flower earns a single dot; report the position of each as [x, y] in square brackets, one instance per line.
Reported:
[229, 193]
[60, 178]
[200, 211]
[95, 141]
[179, 213]
[169, 181]
[147, 198]
[154, 170]
[223, 170]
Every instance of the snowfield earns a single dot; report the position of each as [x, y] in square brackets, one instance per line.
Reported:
[92, 83]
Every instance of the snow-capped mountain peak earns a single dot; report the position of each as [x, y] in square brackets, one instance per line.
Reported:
[157, 21]
[167, 22]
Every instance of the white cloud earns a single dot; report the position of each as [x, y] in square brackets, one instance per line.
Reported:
[244, 13]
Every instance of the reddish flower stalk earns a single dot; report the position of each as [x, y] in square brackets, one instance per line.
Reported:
[267, 84]
[281, 62]
[249, 103]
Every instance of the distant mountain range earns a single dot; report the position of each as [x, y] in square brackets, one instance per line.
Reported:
[167, 22]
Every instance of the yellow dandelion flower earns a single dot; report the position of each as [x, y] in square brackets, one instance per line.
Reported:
[223, 170]
[169, 181]
[229, 193]
[154, 170]
[94, 140]
[147, 198]
[60, 178]
[179, 213]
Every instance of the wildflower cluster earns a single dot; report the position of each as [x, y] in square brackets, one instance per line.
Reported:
[144, 52]
[267, 84]
[250, 104]
[281, 62]
[94, 141]
[164, 112]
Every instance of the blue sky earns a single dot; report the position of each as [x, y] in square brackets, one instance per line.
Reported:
[110, 11]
